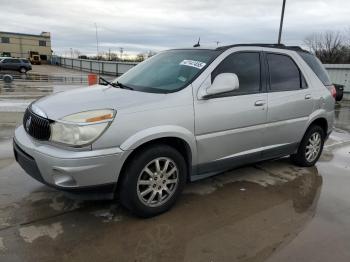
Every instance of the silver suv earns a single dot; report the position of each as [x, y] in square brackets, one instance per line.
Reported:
[180, 116]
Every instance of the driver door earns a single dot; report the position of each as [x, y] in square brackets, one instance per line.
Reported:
[229, 126]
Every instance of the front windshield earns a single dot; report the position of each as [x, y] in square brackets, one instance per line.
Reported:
[168, 71]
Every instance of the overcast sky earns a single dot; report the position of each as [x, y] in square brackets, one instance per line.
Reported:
[141, 25]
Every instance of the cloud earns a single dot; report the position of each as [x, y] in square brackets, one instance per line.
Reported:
[143, 25]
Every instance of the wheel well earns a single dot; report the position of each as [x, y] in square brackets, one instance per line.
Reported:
[322, 122]
[175, 142]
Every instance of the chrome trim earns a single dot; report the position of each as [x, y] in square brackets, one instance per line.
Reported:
[37, 110]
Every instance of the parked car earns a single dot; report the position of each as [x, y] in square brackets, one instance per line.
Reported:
[15, 64]
[339, 92]
[180, 116]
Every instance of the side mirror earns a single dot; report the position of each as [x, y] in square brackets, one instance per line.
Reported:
[224, 82]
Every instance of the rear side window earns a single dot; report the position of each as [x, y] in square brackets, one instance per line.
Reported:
[246, 65]
[12, 60]
[284, 73]
[317, 67]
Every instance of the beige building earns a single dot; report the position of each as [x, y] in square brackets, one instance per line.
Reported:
[21, 45]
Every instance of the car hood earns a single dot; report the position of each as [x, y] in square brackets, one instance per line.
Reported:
[95, 97]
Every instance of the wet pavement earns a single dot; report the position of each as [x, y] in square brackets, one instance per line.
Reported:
[271, 211]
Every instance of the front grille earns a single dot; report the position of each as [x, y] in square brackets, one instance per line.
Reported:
[36, 126]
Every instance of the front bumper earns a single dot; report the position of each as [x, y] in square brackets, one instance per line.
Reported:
[68, 170]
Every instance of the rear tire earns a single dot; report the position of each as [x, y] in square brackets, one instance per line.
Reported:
[310, 148]
[153, 180]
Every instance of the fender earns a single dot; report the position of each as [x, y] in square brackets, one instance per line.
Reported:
[156, 132]
[319, 113]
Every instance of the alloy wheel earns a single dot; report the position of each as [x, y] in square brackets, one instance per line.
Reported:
[157, 182]
[313, 147]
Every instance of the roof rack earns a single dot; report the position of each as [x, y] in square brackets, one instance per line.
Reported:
[281, 46]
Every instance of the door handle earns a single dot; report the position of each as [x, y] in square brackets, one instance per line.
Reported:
[308, 96]
[259, 103]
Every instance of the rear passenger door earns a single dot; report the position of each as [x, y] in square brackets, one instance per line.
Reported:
[290, 103]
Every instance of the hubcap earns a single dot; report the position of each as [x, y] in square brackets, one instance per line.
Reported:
[157, 181]
[313, 147]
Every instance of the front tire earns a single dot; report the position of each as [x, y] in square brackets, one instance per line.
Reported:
[310, 148]
[153, 180]
[23, 70]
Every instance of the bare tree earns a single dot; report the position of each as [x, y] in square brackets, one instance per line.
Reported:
[329, 46]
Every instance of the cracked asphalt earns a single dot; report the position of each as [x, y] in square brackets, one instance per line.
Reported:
[270, 211]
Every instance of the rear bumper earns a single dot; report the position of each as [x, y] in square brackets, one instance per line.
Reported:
[72, 171]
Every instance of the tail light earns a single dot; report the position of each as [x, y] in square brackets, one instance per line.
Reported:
[333, 91]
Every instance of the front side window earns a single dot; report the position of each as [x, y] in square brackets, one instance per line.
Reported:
[168, 71]
[246, 65]
[284, 73]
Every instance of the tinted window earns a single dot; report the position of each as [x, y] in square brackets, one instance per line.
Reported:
[25, 61]
[317, 67]
[284, 73]
[42, 43]
[246, 66]
[13, 61]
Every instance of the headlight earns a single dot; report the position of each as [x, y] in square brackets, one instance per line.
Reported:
[81, 128]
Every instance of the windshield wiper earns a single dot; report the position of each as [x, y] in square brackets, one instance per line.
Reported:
[117, 84]
[122, 86]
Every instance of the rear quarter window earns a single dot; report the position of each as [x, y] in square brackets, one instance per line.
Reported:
[317, 67]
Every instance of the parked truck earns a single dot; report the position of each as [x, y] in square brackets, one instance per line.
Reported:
[34, 58]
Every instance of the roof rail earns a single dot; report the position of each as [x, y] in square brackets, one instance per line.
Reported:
[281, 46]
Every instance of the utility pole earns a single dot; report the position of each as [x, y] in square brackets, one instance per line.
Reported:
[99, 64]
[96, 41]
[281, 22]
[121, 53]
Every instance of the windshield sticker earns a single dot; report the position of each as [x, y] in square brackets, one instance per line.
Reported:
[196, 64]
[182, 79]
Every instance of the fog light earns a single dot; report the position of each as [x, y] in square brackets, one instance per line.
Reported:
[63, 180]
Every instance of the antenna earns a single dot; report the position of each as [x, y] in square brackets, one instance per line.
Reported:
[198, 44]
[281, 22]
